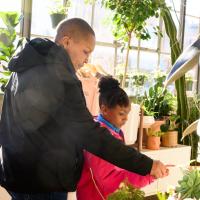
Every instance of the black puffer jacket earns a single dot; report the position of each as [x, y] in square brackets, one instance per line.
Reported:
[45, 125]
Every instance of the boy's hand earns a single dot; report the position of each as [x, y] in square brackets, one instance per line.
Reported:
[159, 170]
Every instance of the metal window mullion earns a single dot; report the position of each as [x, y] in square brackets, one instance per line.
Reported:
[92, 16]
[198, 71]
[92, 23]
[159, 43]
[138, 55]
[115, 58]
[25, 28]
[182, 23]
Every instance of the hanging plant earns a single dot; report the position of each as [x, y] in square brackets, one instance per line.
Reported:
[58, 12]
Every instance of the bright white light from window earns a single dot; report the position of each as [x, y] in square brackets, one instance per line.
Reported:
[10, 5]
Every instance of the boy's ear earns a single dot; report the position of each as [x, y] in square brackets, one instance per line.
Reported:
[65, 41]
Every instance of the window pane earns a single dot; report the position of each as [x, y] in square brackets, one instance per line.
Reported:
[104, 56]
[174, 4]
[165, 45]
[192, 8]
[134, 41]
[41, 22]
[10, 5]
[165, 62]
[191, 81]
[121, 58]
[80, 9]
[191, 30]
[103, 24]
[151, 43]
[148, 61]
[132, 60]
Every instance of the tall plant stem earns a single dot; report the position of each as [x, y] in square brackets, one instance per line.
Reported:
[126, 61]
[182, 105]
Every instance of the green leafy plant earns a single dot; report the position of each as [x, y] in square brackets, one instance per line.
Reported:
[171, 124]
[139, 79]
[162, 195]
[182, 105]
[130, 18]
[155, 133]
[157, 101]
[189, 80]
[194, 108]
[126, 191]
[189, 186]
[9, 43]
[59, 8]
[169, 194]
[89, 1]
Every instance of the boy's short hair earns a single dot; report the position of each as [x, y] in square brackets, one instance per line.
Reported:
[75, 27]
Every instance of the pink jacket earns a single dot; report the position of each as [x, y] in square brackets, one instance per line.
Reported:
[100, 178]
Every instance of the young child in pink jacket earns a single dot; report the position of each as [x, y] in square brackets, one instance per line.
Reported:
[100, 178]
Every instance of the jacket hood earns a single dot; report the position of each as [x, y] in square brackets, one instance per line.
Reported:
[39, 52]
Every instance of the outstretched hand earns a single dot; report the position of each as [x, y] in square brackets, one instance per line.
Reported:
[159, 170]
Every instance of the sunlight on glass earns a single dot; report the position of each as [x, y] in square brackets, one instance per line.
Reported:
[191, 30]
[104, 56]
[10, 5]
[192, 8]
[174, 4]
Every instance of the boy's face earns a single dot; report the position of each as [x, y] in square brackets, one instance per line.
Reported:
[79, 50]
[117, 115]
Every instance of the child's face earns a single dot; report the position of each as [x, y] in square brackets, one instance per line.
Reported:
[117, 115]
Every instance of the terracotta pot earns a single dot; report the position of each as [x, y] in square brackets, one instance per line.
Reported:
[153, 142]
[170, 139]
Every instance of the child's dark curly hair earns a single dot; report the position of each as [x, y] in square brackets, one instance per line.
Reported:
[111, 94]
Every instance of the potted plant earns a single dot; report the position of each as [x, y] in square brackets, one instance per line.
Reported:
[127, 191]
[153, 139]
[157, 101]
[170, 130]
[189, 185]
[58, 12]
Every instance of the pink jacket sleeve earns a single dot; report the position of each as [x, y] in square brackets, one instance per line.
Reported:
[108, 176]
